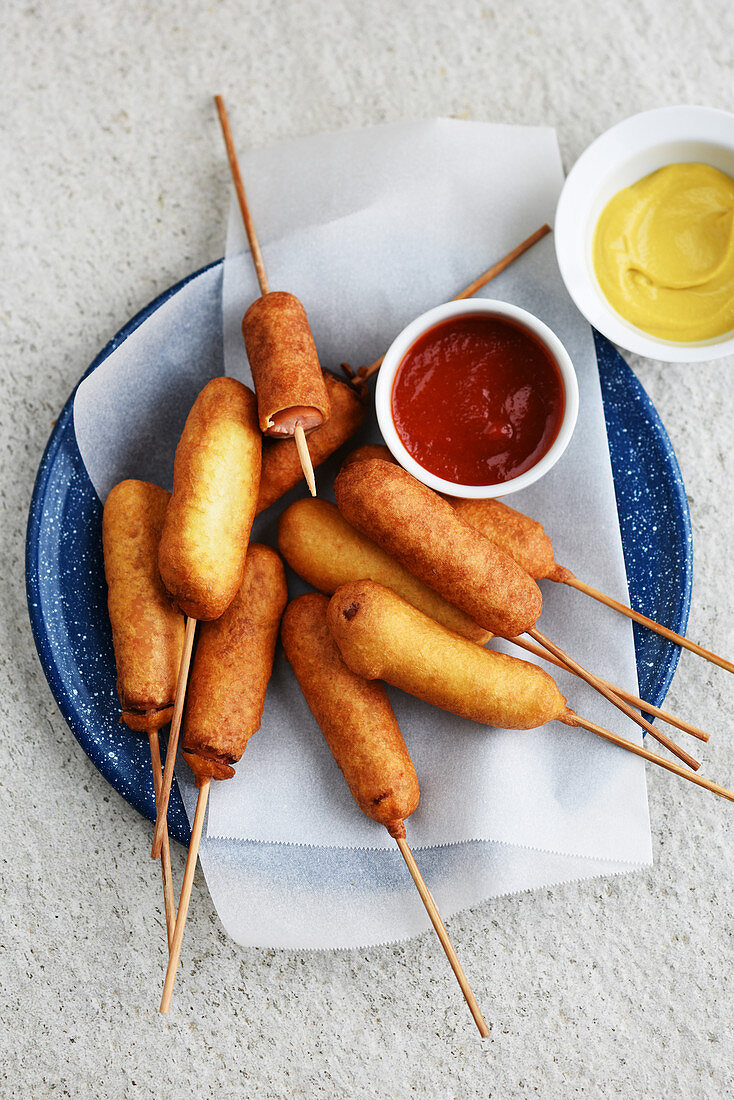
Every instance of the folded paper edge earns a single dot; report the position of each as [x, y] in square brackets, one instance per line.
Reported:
[448, 913]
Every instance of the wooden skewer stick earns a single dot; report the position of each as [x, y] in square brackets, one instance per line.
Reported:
[470, 290]
[633, 700]
[499, 267]
[257, 259]
[568, 578]
[442, 934]
[183, 905]
[178, 705]
[371, 369]
[168, 899]
[659, 736]
[572, 719]
[305, 457]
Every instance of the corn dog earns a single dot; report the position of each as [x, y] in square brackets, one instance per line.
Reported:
[518, 535]
[355, 717]
[285, 365]
[231, 669]
[147, 630]
[319, 544]
[358, 723]
[379, 635]
[216, 476]
[423, 532]
[281, 466]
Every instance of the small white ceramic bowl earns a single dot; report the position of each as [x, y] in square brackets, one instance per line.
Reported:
[395, 355]
[621, 156]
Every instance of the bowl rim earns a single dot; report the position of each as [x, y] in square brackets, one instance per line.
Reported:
[425, 321]
[632, 136]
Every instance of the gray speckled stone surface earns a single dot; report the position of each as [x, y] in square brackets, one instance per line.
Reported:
[114, 186]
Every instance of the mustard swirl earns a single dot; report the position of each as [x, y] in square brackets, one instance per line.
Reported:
[663, 253]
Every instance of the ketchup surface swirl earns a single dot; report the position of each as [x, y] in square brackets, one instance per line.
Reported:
[477, 400]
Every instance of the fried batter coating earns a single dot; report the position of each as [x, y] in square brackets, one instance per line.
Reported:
[518, 535]
[216, 478]
[379, 635]
[285, 365]
[147, 630]
[355, 717]
[232, 667]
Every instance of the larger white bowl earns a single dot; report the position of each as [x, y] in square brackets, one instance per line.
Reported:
[405, 340]
[621, 156]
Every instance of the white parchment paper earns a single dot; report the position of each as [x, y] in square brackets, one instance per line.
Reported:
[370, 228]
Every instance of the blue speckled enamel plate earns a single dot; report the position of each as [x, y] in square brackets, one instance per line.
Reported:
[67, 593]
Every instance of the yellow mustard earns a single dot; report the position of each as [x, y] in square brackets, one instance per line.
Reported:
[664, 252]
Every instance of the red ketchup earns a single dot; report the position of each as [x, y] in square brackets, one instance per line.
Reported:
[478, 400]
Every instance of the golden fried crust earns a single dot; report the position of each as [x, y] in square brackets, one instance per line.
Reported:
[147, 630]
[282, 470]
[319, 544]
[380, 635]
[416, 526]
[519, 536]
[231, 668]
[367, 452]
[216, 478]
[284, 363]
[355, 717]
